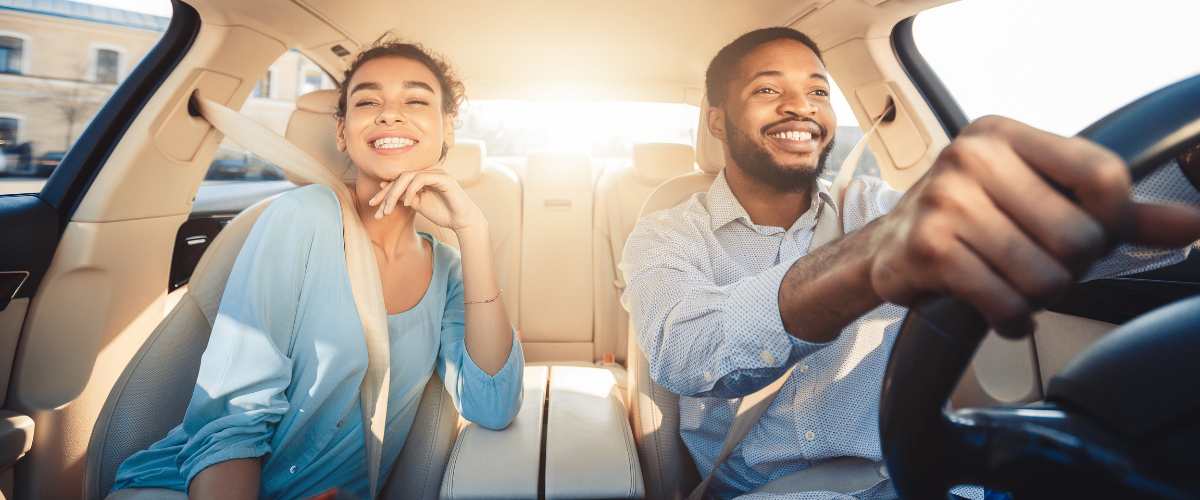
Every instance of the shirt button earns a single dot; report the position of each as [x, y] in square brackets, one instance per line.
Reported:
[767, 357]
[810, 435]
[340, 423]
[292, 470]
[803, 368]
[708, 376]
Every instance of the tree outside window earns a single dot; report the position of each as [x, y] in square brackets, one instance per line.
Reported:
[263, 87]
[10, 54]
[107, 62]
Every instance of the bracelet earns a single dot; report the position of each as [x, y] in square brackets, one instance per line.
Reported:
[493, 299]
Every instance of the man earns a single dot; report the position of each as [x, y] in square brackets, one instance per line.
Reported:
[725, 299]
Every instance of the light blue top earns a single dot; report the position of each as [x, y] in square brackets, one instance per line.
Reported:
[287, 354]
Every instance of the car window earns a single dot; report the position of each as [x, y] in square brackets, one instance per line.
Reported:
[1057, 65]
[59, 63]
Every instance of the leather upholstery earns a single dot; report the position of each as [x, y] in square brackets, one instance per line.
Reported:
[589, 446]
[475, 470]
[710, 152]
[620, 194]
[556, 276]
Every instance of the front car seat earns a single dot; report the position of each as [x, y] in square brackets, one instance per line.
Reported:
[667, 467]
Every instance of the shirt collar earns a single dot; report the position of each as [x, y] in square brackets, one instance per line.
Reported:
[724, 207]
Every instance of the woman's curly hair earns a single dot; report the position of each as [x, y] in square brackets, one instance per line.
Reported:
[388, 45]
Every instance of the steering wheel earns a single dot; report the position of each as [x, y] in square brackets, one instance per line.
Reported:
[1121, 420]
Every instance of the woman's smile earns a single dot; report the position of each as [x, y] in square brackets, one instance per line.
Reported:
[391, 143]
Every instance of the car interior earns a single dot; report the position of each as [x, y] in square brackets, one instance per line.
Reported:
[98, 358]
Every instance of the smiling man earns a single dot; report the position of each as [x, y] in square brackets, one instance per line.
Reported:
[726, 297]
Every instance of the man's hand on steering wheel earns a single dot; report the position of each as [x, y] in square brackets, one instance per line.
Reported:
[1008, 217]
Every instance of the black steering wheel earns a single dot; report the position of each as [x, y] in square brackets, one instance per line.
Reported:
[1121, 420]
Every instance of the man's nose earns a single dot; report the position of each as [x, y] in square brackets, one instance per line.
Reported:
[797, 104]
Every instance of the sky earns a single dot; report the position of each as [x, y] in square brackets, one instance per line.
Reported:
[1056, 64]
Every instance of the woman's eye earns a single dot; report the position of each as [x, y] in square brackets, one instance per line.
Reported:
[418, 103]
[360, 104]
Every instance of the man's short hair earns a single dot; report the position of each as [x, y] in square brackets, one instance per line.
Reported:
[721, 69]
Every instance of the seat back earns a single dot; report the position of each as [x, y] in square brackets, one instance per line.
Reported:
[667, 467]
[556, 257]
[620, 194]
[153, 392]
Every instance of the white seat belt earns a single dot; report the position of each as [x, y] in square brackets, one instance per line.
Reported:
[846, 472]
[365, 284]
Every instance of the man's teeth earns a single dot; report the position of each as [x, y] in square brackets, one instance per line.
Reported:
[392, 142]
[793, 136]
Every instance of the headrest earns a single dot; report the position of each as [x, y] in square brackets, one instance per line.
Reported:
[464, 162]
[558, 170]
[313, 127]
[710, 151]
[655, 162]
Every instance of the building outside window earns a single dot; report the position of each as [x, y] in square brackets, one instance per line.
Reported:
[107, 64]
[312, 81]
[8, 132]
[10, 54]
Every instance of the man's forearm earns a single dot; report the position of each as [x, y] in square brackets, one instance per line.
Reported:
[829, 288]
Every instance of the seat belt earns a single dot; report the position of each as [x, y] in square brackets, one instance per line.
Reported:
[365, 284]
[841, 473]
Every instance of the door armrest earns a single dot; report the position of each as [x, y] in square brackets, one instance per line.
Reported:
[16, 437]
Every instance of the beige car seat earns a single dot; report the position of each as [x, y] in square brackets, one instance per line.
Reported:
[620, 194]
[152, 393]
[667, 467]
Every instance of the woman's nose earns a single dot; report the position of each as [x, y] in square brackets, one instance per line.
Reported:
[390, 115]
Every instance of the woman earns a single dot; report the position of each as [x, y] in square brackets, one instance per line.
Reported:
[275, 412]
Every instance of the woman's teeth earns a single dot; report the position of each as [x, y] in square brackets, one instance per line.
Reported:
[392, 142]
[793, 136]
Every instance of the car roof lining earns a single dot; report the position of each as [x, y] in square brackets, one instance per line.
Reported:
[623, 50]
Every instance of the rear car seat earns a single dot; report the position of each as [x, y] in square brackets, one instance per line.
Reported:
[620, 194]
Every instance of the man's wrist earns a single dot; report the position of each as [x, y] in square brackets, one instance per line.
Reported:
[829, 288]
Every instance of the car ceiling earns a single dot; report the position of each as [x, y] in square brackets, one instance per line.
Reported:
[561, 50]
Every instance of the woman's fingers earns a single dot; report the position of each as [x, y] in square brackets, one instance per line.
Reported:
[383, 189]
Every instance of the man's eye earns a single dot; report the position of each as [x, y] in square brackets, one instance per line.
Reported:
[766, 91]
[821, 92]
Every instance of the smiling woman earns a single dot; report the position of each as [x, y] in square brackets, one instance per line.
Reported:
[283, 375]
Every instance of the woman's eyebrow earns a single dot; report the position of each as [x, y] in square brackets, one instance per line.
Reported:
[365, 86]
[411, 84]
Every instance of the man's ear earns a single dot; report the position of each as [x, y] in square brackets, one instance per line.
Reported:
[341, 135]
[716, 122]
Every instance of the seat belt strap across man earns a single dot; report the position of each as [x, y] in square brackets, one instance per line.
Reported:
[840, 473]
[365, 283]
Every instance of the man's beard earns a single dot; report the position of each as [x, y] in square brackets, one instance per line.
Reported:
[754, 159]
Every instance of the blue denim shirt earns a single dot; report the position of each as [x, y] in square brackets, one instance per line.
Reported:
[281, 373]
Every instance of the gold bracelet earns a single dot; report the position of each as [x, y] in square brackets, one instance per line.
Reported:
[493, 299]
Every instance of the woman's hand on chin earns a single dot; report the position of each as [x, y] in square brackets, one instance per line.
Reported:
[433, 194]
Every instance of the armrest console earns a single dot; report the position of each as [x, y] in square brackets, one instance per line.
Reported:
[590, 451]
[16, 437]
[504, 463]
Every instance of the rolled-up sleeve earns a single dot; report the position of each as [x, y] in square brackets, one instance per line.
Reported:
[240, 392]
[701, 339]
[1166, 185]
[491, 401]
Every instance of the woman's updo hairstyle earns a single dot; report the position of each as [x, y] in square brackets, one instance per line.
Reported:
[453, 90]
